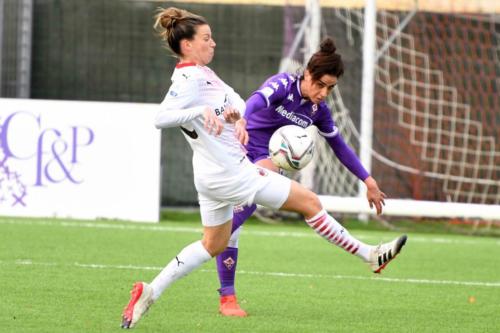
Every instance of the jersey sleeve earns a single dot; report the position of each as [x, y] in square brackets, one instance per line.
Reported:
[274, 90]
[324, 122]
[235, 100]
[327, 129]
[179, 107]
[347, 156]
[254, 103]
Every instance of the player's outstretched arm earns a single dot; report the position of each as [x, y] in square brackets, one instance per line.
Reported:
[374, 195]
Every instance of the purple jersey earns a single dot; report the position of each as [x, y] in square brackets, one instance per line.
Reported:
[285, 106]
[279, 102]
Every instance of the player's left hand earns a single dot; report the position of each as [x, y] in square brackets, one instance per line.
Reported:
[240, 130]
[374, 195]
[231, 115]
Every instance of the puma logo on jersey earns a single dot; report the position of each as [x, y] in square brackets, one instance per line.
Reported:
[192, 134]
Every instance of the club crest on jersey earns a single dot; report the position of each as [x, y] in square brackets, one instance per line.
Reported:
[262, 172]
[173, 93]
[229, 263]
[238, 209]
[314, 108]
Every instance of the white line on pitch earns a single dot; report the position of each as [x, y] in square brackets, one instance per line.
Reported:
[29, 262]
[161, 228]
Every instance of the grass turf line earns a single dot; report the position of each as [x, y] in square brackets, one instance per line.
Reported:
[64, 297]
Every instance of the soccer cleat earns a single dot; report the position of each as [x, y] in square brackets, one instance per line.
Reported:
[141, 298]
[383, 254]
[229, 307]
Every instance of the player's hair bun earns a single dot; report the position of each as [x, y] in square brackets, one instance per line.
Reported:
[174, 24]
[326, 61]
[170, 17]
[327, 46]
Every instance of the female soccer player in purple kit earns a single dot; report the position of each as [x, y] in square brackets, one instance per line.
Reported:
[286, 99]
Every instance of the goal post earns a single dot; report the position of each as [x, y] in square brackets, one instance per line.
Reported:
[436, 109]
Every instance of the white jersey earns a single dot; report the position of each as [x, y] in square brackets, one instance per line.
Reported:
[221, 170]
[193, 89]
[223, 175]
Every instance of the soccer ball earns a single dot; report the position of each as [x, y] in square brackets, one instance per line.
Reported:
[291, 148]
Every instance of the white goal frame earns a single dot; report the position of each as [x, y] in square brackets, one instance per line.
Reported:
[357, 204]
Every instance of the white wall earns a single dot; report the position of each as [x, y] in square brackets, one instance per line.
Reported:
[79, 160]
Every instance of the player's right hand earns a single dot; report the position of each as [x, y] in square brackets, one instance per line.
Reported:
[212, 123]
[240, 131]
[231, 115]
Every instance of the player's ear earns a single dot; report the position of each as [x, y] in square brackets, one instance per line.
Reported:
[307, 75]
[185, 45]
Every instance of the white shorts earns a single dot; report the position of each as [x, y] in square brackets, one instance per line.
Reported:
[254, 184]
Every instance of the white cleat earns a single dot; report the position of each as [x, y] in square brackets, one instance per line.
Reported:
[141, 298]
[383, 254]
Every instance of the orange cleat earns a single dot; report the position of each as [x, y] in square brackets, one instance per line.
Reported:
[229, 307]
[141, 298]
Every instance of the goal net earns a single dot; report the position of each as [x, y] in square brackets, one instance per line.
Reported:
[436, 114]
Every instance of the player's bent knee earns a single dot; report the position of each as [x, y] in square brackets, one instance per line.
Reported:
[312, 204]
[215, 238]
[315, 202]
[215, 247]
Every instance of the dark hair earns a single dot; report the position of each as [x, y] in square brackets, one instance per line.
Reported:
[325, 61]
[174, 24]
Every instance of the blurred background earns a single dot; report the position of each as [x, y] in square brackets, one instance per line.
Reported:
[436, 101]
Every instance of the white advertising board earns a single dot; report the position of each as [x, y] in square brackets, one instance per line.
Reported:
[82, 160]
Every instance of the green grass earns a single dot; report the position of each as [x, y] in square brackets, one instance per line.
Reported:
[75, 276]
[428, 226]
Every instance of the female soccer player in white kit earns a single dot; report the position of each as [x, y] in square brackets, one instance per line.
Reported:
[209, 113]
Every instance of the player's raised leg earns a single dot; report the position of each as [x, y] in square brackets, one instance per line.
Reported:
[304, 201]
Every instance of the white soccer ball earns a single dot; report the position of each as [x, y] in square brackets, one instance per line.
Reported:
[291, 148]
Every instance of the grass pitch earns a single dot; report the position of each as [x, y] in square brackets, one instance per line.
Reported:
[75, 276]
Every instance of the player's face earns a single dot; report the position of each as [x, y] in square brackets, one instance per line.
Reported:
[202, 45]
[317, 90]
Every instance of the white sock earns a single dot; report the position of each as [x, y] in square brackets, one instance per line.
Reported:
[328, 228]
[190, 258]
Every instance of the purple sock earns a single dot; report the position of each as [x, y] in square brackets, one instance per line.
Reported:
[241, 214]
[227, 260]
[226, 267]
